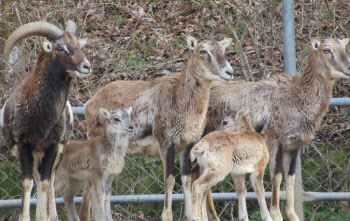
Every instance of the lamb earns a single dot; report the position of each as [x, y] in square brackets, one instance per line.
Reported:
[98, 160]
[222, 152]
[169, 112]
[286, 110]
[36, 120]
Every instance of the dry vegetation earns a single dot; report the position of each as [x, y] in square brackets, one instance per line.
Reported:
[133, 40]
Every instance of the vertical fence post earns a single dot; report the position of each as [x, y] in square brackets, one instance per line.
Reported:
[290, 68]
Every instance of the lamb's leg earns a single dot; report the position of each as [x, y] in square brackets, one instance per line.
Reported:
[203, 206]
[45, 170]
[167, 154]
[99, 189]
[84, 214]
[211, 212]
[72, 187]
[256, 179]
[275, 164]
[185, 163]
[26, 159]
[241, 190]
[289, 164]
[204, 182]
[197, 195]
[108, 198]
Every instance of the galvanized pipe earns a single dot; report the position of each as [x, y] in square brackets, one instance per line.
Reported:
[159, 198]
[334, 102]
[288, 37]
[290, 68]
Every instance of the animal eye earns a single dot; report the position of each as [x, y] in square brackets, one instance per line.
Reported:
[326, 51]
[224, 122]
[202, 52]
[60, 50]
[116, 119]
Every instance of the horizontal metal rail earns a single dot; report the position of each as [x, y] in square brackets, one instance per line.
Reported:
[159, 198]
[334, 102]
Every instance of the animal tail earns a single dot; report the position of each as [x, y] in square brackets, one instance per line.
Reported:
[197, 151]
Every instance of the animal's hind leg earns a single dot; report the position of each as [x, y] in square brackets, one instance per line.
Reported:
[168, 156]
[289, 164]
[241, 190]
[203, 183]
[26, 159]
[45, 170]
[211, 212]
[72, 187]
[256, 179]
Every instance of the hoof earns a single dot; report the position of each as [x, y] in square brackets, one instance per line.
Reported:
[276, 215]
[167, 216]
[292, 216]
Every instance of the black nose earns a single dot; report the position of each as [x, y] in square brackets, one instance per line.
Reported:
[229, 73]
[87, 66]
[131, 128]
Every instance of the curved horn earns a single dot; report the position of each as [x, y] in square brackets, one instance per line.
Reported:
[71, 27]
[31, 29]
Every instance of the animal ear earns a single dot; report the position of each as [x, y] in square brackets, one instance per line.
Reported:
[81, 43]
[47, 46]
[129, 110]
[191, 43]
[225, 42]
[105, 113]
[315, 43]
[345, 41]
[239, 115]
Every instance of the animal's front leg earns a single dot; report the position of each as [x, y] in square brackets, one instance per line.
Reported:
[275, 165]
[289, 164]
[167, 154]
[84, 214]
[45, 169]
[52, 198]
[185, 163]
[26, 159]
[99, 197]
[108, 198]
[256, 179]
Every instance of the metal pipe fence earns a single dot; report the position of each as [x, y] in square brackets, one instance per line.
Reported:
[159, 198]
[334, 102]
